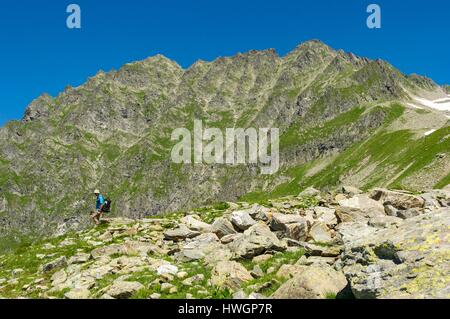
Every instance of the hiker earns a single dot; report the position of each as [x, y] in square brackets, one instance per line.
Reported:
[99, 207]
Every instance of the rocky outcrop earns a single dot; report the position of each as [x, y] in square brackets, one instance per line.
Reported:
[407, 261]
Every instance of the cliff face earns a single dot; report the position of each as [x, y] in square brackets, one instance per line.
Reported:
[341, 118]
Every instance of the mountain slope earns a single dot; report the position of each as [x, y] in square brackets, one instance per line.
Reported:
[342, 118]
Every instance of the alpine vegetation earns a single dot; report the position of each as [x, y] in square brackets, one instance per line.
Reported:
[240, 146]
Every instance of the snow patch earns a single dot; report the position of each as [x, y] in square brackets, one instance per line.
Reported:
[440, 104]
[430, 132]
[444, 100]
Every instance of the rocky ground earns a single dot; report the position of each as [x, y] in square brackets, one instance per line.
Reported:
[346, 244]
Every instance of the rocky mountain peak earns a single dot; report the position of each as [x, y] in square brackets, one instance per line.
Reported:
[39, 109]
[114, 133]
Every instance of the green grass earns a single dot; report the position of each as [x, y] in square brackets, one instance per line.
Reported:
[300, 134]
[381, 147]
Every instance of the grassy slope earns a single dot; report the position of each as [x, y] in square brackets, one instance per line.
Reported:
[396, 154]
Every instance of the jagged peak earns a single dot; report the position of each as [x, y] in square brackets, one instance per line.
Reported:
[311, 45]
[422, 81]
[38, 108]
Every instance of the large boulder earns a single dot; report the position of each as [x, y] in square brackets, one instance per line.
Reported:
[309, 192]
[293, 226]
[229, 274]
[78, 293]
[79, 258]
[408, 261]
[288, 271]
[127, 248]
[314, 282]
[242, 220]
[199, 247]
[320, 233]
[297, 231]
[399, 200]
[408, 213]
[258, 212]
[326, 215]
[180, 233]
[223, 227]
[280, 221]
[54, 264]
[255, 241]
[194, 223]
[351, 231]
[123, 289]
[359, 207]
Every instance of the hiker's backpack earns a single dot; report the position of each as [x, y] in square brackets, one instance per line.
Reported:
[107, 205]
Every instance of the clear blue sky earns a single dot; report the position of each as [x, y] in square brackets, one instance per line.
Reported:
[38, 53]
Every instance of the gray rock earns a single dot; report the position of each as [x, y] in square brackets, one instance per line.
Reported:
[229, 274]
[199, 247]
[351, 191]
[309, 192]
[399, 200]
[390, 210]
[240, 294]
[80, 258]
[242, 220]
[320, 233]
[255, 241]
[408, 213]
[358, 208]
[257, 271]
[195, 224]
[180, 233]
[54, 264]
[230, 238]
[352, 231]
[223, 227]
[384, 221]
[123, 289]
[315, 282]
[297, 231]
[326, 215]
[380, 264]
[78, 293]
[280, 221]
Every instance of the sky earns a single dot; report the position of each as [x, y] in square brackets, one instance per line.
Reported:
[40, 54]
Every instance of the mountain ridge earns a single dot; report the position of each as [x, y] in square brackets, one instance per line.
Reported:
[113, 132]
